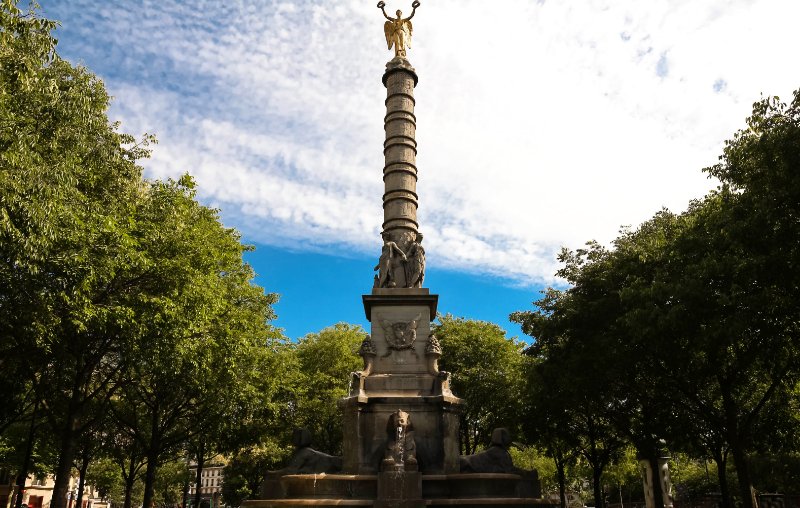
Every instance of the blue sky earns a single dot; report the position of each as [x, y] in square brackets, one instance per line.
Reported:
[318, 290]
[540, 124]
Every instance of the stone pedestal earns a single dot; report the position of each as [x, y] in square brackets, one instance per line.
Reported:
[400, 379]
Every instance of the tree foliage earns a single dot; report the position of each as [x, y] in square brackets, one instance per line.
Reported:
[487, 372]
[117, 294]
[686, 327]
[322, 363]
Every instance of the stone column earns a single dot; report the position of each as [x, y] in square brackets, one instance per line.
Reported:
[400, 153]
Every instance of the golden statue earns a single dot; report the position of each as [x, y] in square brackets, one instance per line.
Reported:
[398, 30]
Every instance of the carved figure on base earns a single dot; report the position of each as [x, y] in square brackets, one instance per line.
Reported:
[305, 460]
[401, 450]
[392, 257]
[368, 352]
[415, 266]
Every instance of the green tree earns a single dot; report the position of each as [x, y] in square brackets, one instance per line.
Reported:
[321, 364]
[487, 369]
[548, 418]
[246, 468]
[690, 477]
[67, 184]
[104, 475]
[168, 487]
[111, 283]
[709, 294]
[761, 190]
[198, 332]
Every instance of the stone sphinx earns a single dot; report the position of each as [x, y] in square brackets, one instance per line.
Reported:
[308, 460]
[305, 460]
[497, 460]
[401, 450]
[494, 459]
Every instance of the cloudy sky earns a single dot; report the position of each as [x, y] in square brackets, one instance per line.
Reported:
[541, 124]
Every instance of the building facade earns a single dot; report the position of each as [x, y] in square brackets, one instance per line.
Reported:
[211, 479]
[39, 493]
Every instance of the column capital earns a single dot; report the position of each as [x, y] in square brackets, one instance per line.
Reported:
[399, 64]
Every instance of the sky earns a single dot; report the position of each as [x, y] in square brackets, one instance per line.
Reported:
[540, 125]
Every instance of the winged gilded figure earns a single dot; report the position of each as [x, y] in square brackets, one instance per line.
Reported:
[398, 30]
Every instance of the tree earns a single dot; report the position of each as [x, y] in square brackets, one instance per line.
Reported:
[245, 471]
[487, 369]
[104, 475]
[197, 332]
[168, 487]
[547, 419]
[761, 188]
[67, 181]
[321, 364]
[709, 294]
[93, 286]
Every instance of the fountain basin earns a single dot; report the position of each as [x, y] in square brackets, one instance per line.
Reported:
[477, 490]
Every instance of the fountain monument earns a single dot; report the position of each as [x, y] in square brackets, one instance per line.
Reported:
[401, 419]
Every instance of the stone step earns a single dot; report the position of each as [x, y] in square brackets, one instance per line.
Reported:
[283, 503]
[481, 502]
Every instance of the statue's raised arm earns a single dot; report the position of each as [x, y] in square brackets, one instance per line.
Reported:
[398, 30]
[381, 6]
[414, 6]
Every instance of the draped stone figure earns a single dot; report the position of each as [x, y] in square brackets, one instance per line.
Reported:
[398, 30]
[392, 258]
[415, 267]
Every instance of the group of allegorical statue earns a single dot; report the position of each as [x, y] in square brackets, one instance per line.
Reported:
[397, 268]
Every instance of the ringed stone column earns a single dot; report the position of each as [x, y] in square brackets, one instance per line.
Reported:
[400, 153]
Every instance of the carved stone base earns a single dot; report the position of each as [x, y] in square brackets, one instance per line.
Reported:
[400, 489]
[436, 424]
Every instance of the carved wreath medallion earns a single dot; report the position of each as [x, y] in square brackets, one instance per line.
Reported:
[400, 335]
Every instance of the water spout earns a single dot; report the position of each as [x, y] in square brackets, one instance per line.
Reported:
[400, 445]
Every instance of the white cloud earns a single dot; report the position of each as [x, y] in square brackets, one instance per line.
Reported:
[539, 124]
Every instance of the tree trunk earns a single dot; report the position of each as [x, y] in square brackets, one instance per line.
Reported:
[66, 456]
[737, 448]
[597, 466]
[597, 473]
[150, 479]
[82, 480]
[562, 480]
[466, 440]
[26, 461]
[129, 481]
[198, 477]
[658, 495]
[720, 458]
[185, 498]
[743, 474]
